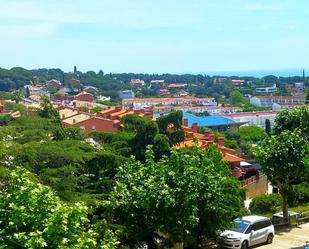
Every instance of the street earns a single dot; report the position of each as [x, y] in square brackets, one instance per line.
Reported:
[293, 239]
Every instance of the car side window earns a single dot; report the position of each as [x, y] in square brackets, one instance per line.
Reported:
[249, 229]
[265, 223]
[256, 226]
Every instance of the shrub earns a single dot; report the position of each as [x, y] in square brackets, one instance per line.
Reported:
[231, 143]
[251, 133]
[265, 204]
[299, 194]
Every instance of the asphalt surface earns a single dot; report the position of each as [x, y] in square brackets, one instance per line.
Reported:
[294, 238]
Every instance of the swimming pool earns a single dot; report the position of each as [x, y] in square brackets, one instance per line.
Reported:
[204, 121]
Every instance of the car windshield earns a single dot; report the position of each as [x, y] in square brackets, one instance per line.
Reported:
[240, 225]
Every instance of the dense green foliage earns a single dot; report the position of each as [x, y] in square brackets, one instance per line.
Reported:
[282, 157]
[251, 134]
[62, 167]
[32, 216]
[299, 194]
[268, 203]
[171, 126]
[186, 197]
[296, 119]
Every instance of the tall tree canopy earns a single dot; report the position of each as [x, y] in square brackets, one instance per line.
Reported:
[297, 118]
[171, 126]
[283, 161]
[183, 198]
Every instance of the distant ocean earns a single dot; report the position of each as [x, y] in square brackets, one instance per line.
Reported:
[259, 73]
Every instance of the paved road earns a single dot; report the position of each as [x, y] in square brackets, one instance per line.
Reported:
[293, 239]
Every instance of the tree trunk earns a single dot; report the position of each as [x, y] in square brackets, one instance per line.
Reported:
[284, 194]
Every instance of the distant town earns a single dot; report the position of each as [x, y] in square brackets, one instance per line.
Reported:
[98, 101]
[135, 147]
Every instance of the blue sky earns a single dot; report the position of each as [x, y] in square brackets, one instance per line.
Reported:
[155, 36]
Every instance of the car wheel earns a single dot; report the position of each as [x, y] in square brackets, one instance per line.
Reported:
[270, 238]
[244, 245]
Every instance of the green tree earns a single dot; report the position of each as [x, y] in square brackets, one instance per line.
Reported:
[184, 198]
[161, 145]
[31, 216]
[237, 98]
[297, 118]
[171, 126]
[251, 133]
[48, 111]
[17, 96]
[145, 131]
[283, 161]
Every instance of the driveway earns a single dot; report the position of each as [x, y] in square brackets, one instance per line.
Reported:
[289, 239]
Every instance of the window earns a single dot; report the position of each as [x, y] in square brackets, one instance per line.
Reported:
[260, 225]
[93, 127]
[249, 229]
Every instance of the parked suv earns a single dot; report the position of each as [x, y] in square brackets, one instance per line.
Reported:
[248, 231]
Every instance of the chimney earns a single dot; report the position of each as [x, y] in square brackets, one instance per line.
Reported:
[221, 141]
[185, 122]
[74, 121]
[194, 127]
[63, 116]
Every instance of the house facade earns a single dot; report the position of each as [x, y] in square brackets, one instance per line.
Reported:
[268, 101]
[139, 103]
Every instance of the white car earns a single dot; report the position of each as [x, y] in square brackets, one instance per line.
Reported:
[248, 231]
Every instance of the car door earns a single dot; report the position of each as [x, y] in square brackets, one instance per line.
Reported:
[263, 231]
[254, 234]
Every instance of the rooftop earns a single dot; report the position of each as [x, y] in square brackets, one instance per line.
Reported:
[76, 119]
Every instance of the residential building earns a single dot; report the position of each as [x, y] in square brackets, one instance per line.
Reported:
[182, 93]
[140, 103]
[104, 98]
[126, 94]
[137, 82]
[212, 110]
[84, 96]
[104, 121]
[177, 85]
[54, 84]
[91, 89]
[271, 89]
[157, 82]
[268, 101]
[238, 83]
[254, 118]
[164, 92]
[39, 90]
[74, 82]
[299, 88]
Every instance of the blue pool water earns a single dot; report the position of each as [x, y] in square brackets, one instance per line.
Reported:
[204, 121]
